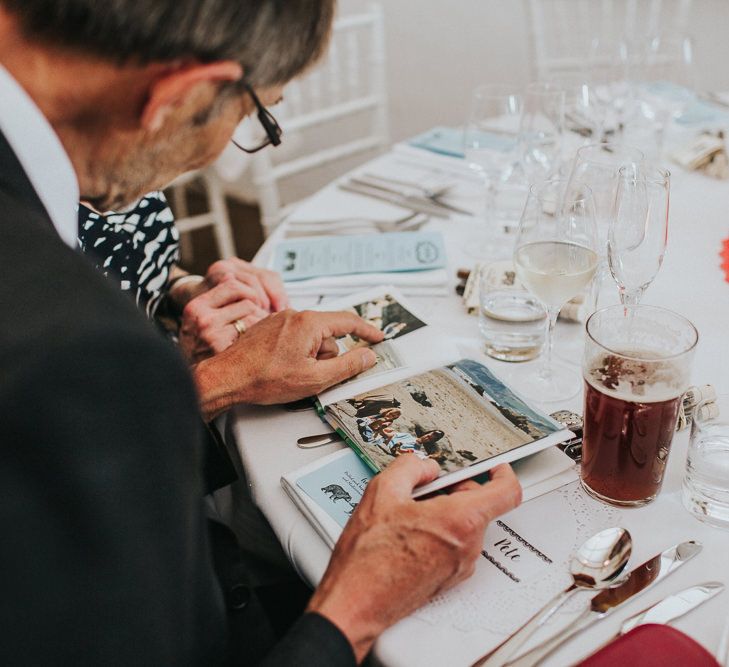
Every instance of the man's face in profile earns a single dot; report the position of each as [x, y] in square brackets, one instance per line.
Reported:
[192, 136]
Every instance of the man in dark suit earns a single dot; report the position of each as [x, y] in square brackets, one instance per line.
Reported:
[105, 555]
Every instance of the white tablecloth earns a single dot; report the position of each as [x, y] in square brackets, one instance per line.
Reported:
[690, 282]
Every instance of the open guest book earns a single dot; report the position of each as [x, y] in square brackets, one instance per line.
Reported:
[422, 399]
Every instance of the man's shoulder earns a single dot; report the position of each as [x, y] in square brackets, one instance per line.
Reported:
[50, 292]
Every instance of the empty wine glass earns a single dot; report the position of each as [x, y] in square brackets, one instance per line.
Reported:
[639, 230]
[667, 85]
[555, 256]
[540, 131]
[584, 111]
[596, 166]
[611, 64]
[491, 148]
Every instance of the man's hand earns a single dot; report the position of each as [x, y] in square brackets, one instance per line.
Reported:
[396, 553]
[285, 357]
[267, 285]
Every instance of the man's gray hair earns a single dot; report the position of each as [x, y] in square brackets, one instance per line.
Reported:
[274, 40]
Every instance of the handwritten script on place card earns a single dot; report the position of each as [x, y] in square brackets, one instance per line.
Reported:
[512, 555]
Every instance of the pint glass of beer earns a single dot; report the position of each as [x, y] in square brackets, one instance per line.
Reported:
[636, 368]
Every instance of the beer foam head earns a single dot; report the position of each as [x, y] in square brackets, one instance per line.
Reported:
[631, 378]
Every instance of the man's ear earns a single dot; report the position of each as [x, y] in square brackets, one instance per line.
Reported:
[169, 91]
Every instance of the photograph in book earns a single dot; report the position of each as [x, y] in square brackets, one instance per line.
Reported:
[387, 359]
[458, 415]
[387, 314]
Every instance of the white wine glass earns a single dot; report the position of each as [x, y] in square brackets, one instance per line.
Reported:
[541, 131]
[491, 149]
[555, 256]
[639, 230]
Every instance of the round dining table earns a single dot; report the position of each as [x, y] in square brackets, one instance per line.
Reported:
[691, 282]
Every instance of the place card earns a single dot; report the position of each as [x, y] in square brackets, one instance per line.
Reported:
[524, 562]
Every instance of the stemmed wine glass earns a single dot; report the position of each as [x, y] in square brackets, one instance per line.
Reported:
[639, 231]
[612, 66]
[491, 146]
[584, 111]
[555, 256]
[541, 130]
[597, 166]
[666, 81]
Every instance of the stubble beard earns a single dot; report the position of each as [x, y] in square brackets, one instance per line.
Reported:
[120, 185]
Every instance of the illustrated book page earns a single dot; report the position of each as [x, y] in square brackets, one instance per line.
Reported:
[460, 415]
[328, 490]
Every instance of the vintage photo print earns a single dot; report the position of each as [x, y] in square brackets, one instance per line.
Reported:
[457, 415]
[388, 315]
[388, 359]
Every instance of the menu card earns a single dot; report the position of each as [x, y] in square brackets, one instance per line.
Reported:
[299, 259]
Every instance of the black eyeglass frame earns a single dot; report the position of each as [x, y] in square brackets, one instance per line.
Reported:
[269, 123]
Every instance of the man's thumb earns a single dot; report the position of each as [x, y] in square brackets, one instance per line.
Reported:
[346, 365]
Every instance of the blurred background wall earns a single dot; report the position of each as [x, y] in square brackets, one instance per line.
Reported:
[439, 50]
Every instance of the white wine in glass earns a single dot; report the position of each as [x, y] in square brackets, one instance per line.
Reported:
[555, 256]
[555, 271]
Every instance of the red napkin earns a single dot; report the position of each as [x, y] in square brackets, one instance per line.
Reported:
[724, 254]
[652, 645]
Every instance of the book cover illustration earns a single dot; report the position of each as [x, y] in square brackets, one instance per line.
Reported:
[337, 487]
[458, 415]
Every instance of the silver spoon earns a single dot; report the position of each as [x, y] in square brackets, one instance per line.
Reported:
[598, 564]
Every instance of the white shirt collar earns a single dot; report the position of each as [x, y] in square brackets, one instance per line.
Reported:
[42, 155]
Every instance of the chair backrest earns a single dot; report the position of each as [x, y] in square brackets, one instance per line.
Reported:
[561, 31]
[336, 111]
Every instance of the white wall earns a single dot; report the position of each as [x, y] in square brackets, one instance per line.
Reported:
[439, 50]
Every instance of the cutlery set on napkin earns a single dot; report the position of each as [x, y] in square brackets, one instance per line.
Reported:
[430, 199]
[608, 601]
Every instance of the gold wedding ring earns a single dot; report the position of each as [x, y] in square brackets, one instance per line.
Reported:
[240, 327]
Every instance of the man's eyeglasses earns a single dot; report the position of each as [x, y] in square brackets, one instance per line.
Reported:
[272, 128]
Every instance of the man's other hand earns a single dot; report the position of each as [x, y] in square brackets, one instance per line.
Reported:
[396, 553]
[285, 357]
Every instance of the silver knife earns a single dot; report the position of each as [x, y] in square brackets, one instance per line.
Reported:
[387, 186]
[669, 609]
[397, 200]
[673, 607]
[604, 603]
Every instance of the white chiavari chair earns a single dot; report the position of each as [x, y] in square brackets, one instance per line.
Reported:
[337, 111]
[561, 31]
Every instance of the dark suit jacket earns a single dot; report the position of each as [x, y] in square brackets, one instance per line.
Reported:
[104, 553]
